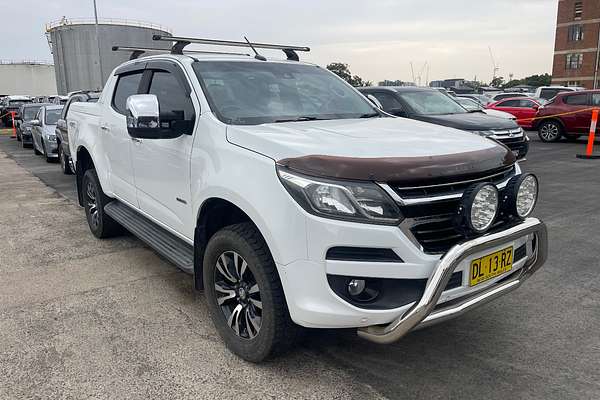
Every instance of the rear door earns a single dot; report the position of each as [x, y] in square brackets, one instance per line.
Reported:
[579, 114]
[162, 166]
[116, 139]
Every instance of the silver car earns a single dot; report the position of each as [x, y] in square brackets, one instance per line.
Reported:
[43, 131]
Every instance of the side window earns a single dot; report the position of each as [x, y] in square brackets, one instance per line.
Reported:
[596, 99]
[576, 99]
[526, 103]
[127, 85]
[510, 103]
[388, 101]
[548, 93]
[176, 107]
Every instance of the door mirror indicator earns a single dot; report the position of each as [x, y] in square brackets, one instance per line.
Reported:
[143, 118]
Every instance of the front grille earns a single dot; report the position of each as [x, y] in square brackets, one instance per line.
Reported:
[429, 211]
[452, 187]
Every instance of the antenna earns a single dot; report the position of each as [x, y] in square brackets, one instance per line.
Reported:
[412, 70]
[257, 56]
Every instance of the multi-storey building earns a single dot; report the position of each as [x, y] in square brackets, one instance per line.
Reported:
[577, 44]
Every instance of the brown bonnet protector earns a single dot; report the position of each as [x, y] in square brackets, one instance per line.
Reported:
[408, 170]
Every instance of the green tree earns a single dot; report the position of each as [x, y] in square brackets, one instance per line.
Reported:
[343, 71]
[497, 82]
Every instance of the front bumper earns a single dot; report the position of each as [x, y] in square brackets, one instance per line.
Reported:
[425, 311]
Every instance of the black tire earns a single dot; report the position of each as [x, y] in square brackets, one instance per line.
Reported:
[36, 151]
[64, 163]
[94, 200]
[276, 332]
[550, 131]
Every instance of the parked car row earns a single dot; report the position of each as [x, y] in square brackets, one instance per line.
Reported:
[12, 104]
[43, 127]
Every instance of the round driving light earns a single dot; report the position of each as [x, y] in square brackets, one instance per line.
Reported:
[521, 195]
[356, 287]
[478, 208]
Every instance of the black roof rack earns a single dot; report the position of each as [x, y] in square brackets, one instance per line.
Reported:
[136, 52]
[182, 42]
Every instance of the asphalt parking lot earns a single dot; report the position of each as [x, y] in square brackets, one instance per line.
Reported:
[83, 318]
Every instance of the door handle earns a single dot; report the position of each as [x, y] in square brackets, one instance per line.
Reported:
[136, 140]
[104, 128]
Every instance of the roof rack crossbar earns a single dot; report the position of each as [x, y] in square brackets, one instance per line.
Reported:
[181, 42]
[138, 51]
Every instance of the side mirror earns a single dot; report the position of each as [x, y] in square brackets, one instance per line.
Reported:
[374, 100]
[535, 107]
[35, 122]
[61, 124]
[143, 118]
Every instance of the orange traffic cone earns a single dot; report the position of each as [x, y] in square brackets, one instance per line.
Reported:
[14, 128]
[590, 145]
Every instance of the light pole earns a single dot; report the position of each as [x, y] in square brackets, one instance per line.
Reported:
[98, 44]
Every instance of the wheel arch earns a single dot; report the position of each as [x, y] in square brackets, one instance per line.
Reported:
[84, 162]
[214, 214]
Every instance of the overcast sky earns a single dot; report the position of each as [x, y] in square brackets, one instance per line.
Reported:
[377, 38]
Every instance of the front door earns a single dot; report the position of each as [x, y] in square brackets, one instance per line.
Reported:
[162, 166]
[116, 139]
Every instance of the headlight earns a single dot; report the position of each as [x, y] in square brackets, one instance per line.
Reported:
[353, 201]
[51, 138]
[521, 195]
[478, 208]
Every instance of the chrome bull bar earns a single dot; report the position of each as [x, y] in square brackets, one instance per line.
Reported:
[424, 312]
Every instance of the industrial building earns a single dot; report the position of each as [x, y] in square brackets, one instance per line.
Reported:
[577, 44]
[84, 63]
[31, 78]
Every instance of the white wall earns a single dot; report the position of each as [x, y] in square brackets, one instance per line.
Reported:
[27, 79]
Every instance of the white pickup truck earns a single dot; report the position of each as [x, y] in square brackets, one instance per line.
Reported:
[295, 202]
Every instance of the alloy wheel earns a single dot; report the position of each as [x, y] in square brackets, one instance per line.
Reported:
[92, 204]
[238, 295]
[549, 132]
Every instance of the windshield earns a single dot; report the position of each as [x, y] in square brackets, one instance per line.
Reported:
[251, 93]
[52, 116]
[470, 105]
[431, 102]
[29, 113]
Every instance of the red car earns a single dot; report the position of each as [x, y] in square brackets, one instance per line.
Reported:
[567, 115]
[524, 108]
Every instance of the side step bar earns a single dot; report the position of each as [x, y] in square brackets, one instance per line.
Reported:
[164, 242]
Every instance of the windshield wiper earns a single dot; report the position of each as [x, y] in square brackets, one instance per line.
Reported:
[370, 115]
[298, 119]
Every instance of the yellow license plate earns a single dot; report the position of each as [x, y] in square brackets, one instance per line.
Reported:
[491, 266]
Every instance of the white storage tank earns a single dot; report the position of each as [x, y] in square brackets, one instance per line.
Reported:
[31, 78]
[75, 49]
